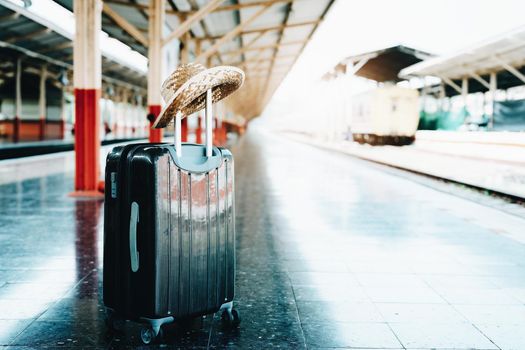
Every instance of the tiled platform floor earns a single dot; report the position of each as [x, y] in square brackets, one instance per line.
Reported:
[333, 252]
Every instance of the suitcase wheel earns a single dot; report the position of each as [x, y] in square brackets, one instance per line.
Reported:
[148, 335]
[231, 317]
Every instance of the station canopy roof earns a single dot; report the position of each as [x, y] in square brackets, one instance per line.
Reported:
[269, 37]
[380, 65]
[503, 55]
[39, 42]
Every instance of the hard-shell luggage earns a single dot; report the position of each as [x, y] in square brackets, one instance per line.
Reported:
[169, 234]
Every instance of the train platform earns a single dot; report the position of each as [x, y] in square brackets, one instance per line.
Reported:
[12, 150]
[332, 252]
[485, 160]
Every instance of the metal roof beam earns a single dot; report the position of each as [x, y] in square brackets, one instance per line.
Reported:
[253, 41]
[510, 69]
[125, 25]
[28, 35]
[259, 60]
[262, 48]
[265, 29]
[361, 62]
[55, 48]
[232, 7]
[9, 16]
[233, 33]
[197, 16]
[249, 4]
[480, 80]
[452, 84]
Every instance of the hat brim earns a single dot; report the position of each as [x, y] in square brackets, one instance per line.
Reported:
[191, 96]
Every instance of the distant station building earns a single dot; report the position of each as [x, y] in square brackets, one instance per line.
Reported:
[387, 114]
[482, 86]
[381, 65]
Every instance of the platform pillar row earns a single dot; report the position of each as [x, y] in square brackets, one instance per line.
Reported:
[493, 83]
[198, 130]
[42, 104]
[184, 130]
[464, 92]
[63, 113]
[87, 82]
[18, 101]
[156, 20]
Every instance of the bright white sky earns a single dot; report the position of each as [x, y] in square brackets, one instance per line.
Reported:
[435, 26]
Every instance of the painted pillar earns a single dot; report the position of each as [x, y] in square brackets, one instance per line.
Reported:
[42, 104]
[63, 113]
[134, 111]
[464, 92]
[104, 115]
[442, 96]
[156, 21]
[18, 101]
[198, 130]
[87, 79]
[493, 83]
[116, 113]
[215, 123]
[125, 113]
[184, 130]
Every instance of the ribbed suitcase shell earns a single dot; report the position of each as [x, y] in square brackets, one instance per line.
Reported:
[185, 234]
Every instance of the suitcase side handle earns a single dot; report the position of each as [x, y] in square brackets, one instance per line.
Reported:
[133, 220]
[207, 125]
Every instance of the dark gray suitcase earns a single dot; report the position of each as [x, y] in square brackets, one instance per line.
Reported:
[169, 235]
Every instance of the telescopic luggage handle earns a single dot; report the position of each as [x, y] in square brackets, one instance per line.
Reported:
[208, 126]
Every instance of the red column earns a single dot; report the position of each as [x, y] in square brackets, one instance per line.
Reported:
[155, 60]
[18, 101]
[155, 135]
[87, 79]
[87, 139]
[16, 129]
[42, 129]
[42, 104]
[224, 133]
[62, 128]
[63, 114]
[184, 130]
[198, 131]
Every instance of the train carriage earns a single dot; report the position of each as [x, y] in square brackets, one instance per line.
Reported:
[385, 116]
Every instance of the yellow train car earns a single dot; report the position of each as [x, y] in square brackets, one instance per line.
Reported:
[385, 116]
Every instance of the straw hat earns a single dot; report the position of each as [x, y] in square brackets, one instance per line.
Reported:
[185, 89]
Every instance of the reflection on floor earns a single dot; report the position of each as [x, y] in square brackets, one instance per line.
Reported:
[332, 253]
